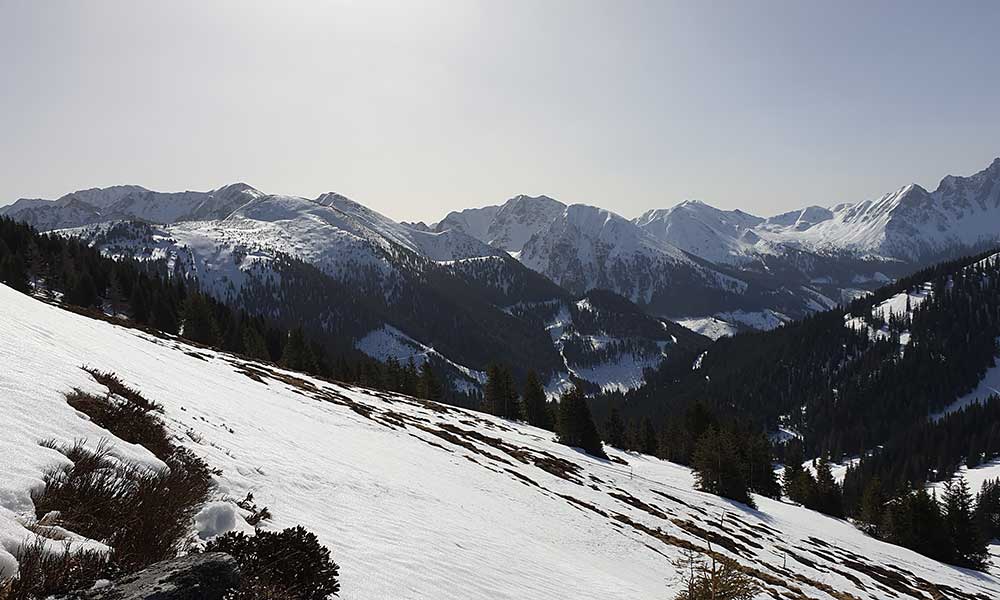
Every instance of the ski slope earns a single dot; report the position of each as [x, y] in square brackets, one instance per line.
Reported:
[418, 500]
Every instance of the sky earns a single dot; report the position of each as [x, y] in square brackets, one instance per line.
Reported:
[417, 108]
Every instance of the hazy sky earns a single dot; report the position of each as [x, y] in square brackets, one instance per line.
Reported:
[417, 108]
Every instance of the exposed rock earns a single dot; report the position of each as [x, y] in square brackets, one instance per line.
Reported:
[195, 577]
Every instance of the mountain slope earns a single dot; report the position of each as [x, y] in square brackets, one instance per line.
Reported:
[424, 501]
[851, 378]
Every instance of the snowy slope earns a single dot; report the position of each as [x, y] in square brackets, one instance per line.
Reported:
[423, 501]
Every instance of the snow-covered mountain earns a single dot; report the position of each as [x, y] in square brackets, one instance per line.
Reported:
[100, 205]
[415, 499]
[394, 290]
[589, 248]
[692, 262]
[716, 235]
[910, 224]
[508, 226]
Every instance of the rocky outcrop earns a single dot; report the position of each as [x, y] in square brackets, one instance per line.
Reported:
[194, 577]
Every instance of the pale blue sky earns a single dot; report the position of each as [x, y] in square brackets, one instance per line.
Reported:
[417, 108]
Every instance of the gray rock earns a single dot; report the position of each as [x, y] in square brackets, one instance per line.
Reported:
[195, 577]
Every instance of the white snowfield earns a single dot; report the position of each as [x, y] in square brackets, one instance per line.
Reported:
[418, 500]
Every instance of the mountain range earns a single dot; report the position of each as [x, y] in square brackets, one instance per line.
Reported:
[483, 282]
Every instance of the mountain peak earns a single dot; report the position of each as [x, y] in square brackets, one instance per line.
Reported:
[238, 186]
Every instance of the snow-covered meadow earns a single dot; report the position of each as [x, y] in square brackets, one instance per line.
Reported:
[418, 500]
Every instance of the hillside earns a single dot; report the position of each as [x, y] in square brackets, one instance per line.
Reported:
[848, 379]
[418, 500]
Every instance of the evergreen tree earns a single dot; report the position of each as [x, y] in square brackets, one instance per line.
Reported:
[968, 545]
[199, 323]
[760, 465]
[535, 409]
[493, 397]
[647, 437]
[511, 404]
[410, 379]
[927, 531]
[829, 498]
[163, 316]
[872, 508]
[575, 426]
[296, 354]
[791, 476]
[116, 297]
[501, 395]
[83, 292]
[988, 509]
[429, 386]
[614, 429]
[13, 272]
[139, 303]
[717, 467]
[254, 344]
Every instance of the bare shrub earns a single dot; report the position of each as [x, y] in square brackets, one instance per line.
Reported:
[714, 578]
[117, 387]
[125, 419]
[42, 574]
[144, 514]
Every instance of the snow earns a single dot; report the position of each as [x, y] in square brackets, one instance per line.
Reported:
[216, 518]
[620, 375]
[764, 320]
[408, 511]
[710, 327]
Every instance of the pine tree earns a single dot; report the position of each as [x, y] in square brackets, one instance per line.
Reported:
[511, 403]
[614, 429]
[967, 542]
[829, 495]
[254, 344]
[296, 354]
[873, 507]
[162, 315]
[429, 386]
[493, 397]
[83, 292]
[759, 463]
[13, 273]
[793, 469]
[116, 297]
[139, 303]
[199, 323]
[988, 509]
[717, 467]
[575, 426]
[535, 410]
[647, 437]
[410, 379]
